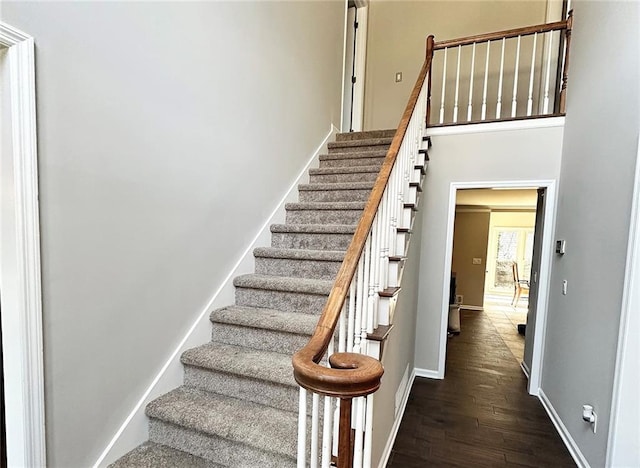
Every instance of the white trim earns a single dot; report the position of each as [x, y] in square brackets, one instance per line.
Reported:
[357, 121]
[132, 432]
[571, 445]
[508, 125]
[525, 369]
[623, 447]
[472, 307]
[545, 270]
[396, 423]
[344, 62]
[428, 373]
[22, 298]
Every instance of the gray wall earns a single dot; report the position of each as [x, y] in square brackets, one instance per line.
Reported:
[399, 348]
[397, 43]
[494, 156]
[167, 134]
[598, 161]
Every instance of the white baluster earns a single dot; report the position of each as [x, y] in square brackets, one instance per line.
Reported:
[514, 102]
[499, 105]
[327, 432]
[342, 321]
[302, 428]
[444, 82]
[533, 66]
[473, 63]
[368, 432]
[359, 427]
[315, 417]
[455, 101]
[545, 107]
[486, 77]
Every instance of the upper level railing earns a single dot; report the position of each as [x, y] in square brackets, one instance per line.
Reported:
[341, 362]
[514, 74]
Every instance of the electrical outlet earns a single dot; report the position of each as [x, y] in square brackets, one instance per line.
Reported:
[476, 261]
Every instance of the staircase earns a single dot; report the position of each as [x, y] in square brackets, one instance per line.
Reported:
[238, 406]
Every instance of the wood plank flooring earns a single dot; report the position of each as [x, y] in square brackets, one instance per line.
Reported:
[480, 415]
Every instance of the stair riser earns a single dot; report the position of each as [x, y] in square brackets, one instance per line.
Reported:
[323, 216]
[351, 162]
[350, 177]
[334, 195]
[351, 136]
[312, 269]
[357, 149]
[303, 240]
[258, 391]
[281, 300]
[220, 450]
[258, 338]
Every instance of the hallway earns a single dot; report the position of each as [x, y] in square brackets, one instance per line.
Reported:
[480, 414]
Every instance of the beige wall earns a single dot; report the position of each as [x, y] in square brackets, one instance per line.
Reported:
[396, 43]
[470, 238]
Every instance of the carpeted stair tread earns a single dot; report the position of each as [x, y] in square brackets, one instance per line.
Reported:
[377, 153]
[348, 136]
[314, 228]
[283, 283]
[344, 170]
[266, 319]
[152, 455]
[246, 362]
[300, 254]
[324, 206]
[252, 424]
[336, 186]
[358, 143]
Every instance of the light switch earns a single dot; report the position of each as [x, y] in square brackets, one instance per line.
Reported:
[398, 77]
[477, 261]
[564, 287]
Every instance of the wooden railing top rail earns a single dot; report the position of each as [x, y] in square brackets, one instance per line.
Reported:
[509, 33]
[352, 375]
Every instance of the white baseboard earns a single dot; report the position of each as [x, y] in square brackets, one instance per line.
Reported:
[575, 452]
[428, 373]
[525, 369]
[471, 307]
[386, 453]
[134, 429]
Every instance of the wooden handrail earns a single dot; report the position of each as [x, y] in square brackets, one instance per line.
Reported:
[351, 375]
[506, 34]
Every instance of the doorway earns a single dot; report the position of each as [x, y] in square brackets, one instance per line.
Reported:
[355, 52]
[499, 250]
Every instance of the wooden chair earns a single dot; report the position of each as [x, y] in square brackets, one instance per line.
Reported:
[519, 285]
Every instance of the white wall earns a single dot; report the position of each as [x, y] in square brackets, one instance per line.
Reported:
[596, 186]
[527, 154]
[167, 134]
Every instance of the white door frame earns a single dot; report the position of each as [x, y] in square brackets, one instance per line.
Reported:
[535, 373]
[20, 272]
[360, 61]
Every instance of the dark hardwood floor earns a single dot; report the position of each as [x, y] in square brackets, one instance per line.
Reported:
[480, 414]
